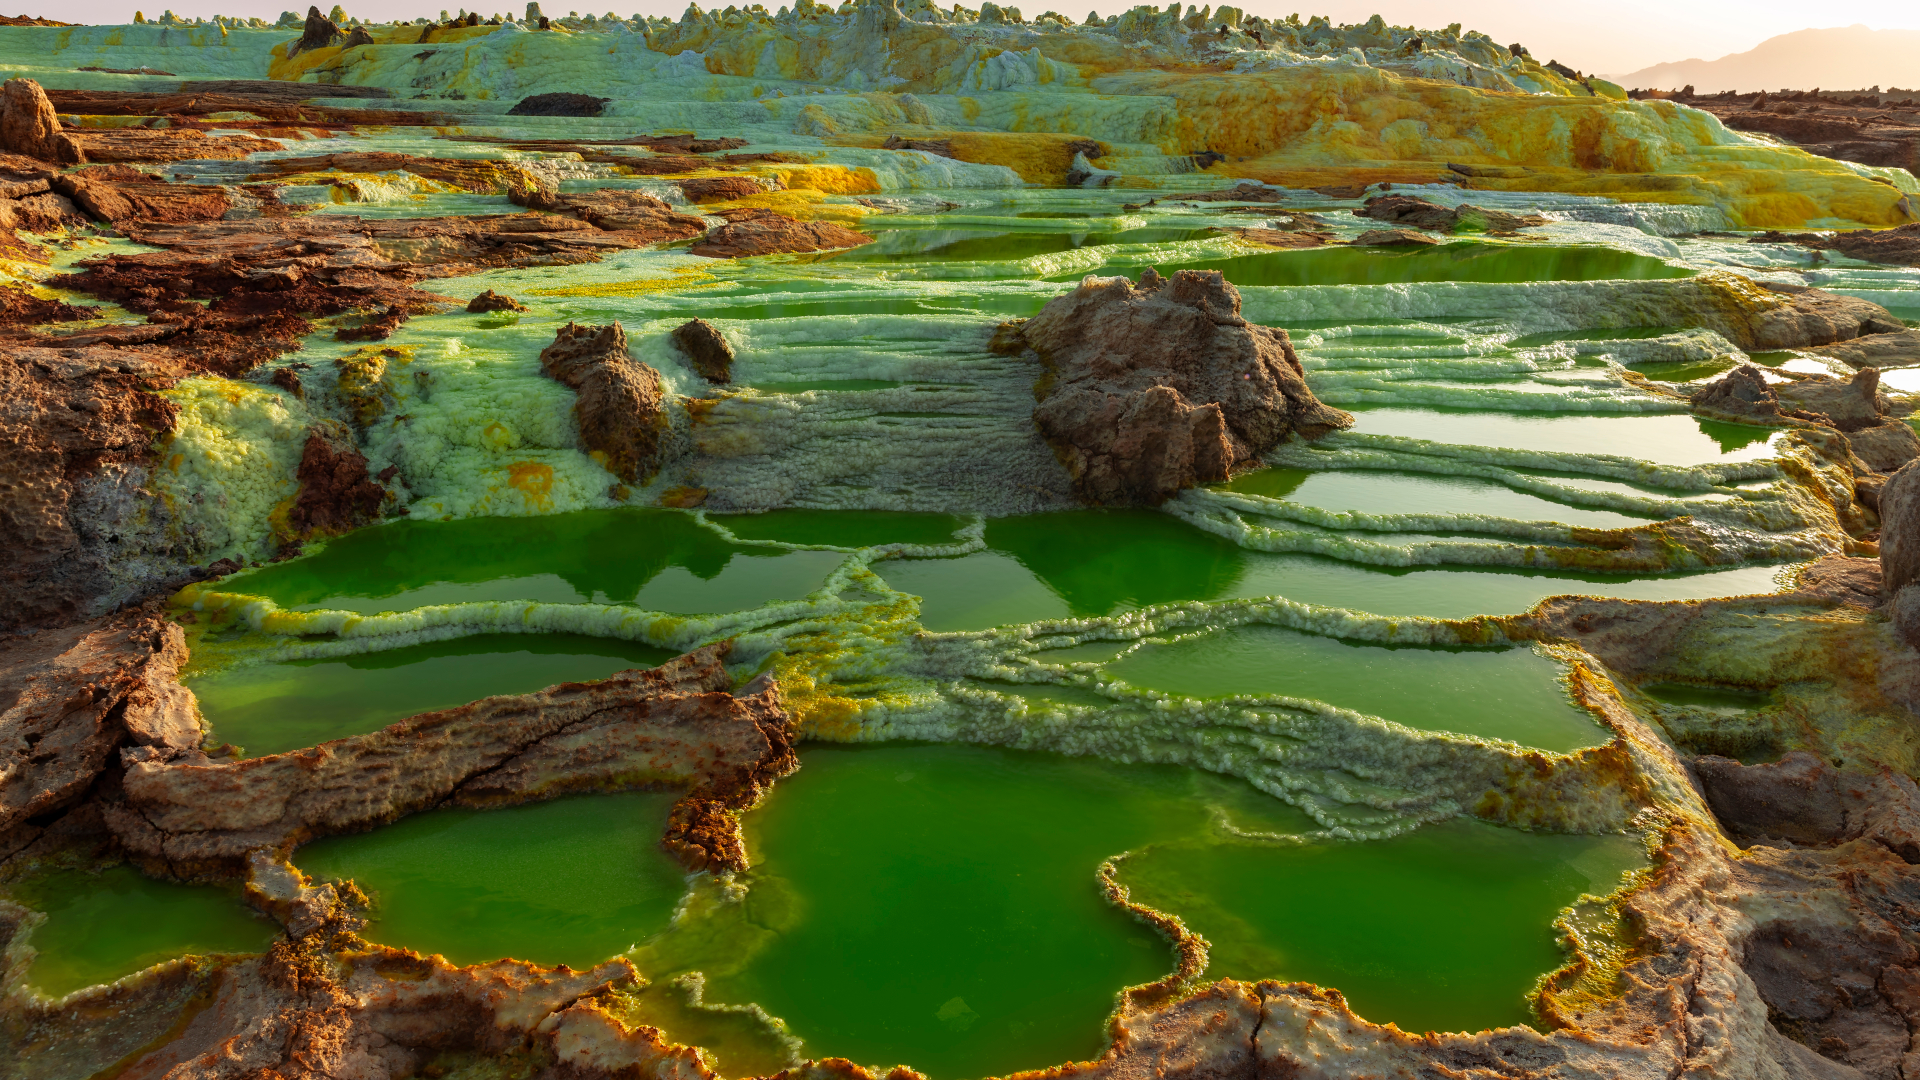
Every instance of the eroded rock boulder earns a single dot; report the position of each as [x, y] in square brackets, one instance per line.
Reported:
[1808, 317]
[707, 349]
[29, 125]
[677, 724]
[337, 494]
[1846, 404]
[1741, 395]
[560, 104]
[1393, 238]
[1162, 386]
[708, 189]
[621, 408]
[318, 33]
[1900, 348]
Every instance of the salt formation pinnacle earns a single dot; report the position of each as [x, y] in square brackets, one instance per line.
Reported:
[1163, 386]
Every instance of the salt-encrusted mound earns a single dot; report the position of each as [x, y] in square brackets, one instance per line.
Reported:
[622, 408]
[1156, 388]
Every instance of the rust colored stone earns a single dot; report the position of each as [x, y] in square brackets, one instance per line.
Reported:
[1393, 238]
[336, 494]
[121, 193]
[493, 301]
[159, 146]
[21, 308]
[1900, 529]
[621, 409]
[1284, 238]
[707, 349]
[560, 104]
[1156, 388]
[319, 33]
[1415, 212]
[763, 232]
[675, 725]
[30, 126]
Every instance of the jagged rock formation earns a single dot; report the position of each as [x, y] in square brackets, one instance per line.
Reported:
[1415, 212]
[677, 724]
[1899, 507]
[763, 232]
[720, 188]
[319, 33]
[707, 349]
[336, 492]
[1898, 246]
[1152, 389]
[631, 214]
[622, 408]
[122, 193]
[30, 126]
[378, 328]
[1877, 436]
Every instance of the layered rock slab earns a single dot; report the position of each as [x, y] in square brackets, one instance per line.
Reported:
[675, 725]
[1157, 387]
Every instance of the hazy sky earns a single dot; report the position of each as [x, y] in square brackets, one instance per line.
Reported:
[1621, 36]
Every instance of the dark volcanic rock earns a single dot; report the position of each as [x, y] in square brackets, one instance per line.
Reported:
[708, 189]
[1156, 388]
[621, 408]
[707, 348]
[1741, 396]
[560, 105]
[319, 33]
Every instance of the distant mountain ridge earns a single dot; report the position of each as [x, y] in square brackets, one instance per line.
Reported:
[1839, 58]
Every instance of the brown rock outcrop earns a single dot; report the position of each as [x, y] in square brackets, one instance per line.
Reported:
[337, 494]
[75, 696]
[1152, 389]
[117, 193]
[21, 308]
[483, 177]
[30, 126]
[1849, 404]
[763, 232]
[631, 213]
[1414, 212]
[1878, 440]
[1284, 238]
[158, 146]
[1740, 396]
[1245, 191]
[672, 725]
[560, 104]
[706, 347]
[1801, 800]
[721, 188]
[621, 408]
[1900, 529]
[493, 301]
[1811, 317]
[65, 415]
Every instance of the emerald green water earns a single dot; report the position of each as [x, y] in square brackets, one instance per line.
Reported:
[1468, 261]
[274, 707]
[1352, 491]
[660, 560]
[574, 881]
[1513, 694]
[1442, 929]
[1099, 562]
[843, 528]
[102, 927]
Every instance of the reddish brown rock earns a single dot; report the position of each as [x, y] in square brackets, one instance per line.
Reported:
[493, 301]
[30, 126]
[632, 214]
[65, 415]
[621, 408]
[721, 188]
[159, 146]
[1246, 191]
[120, 193]
[1900, 348]
[1152, 389]
[75, 696]
[1900, 529]
[1811, 317]
[560, 104]
[1846, 404]
[21, 308]
[763, 232]
[707, 349]
[1284, 238]
[673, 725]
[480, 176]
[1740, 396]
[336, 492]
[1413, 212]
